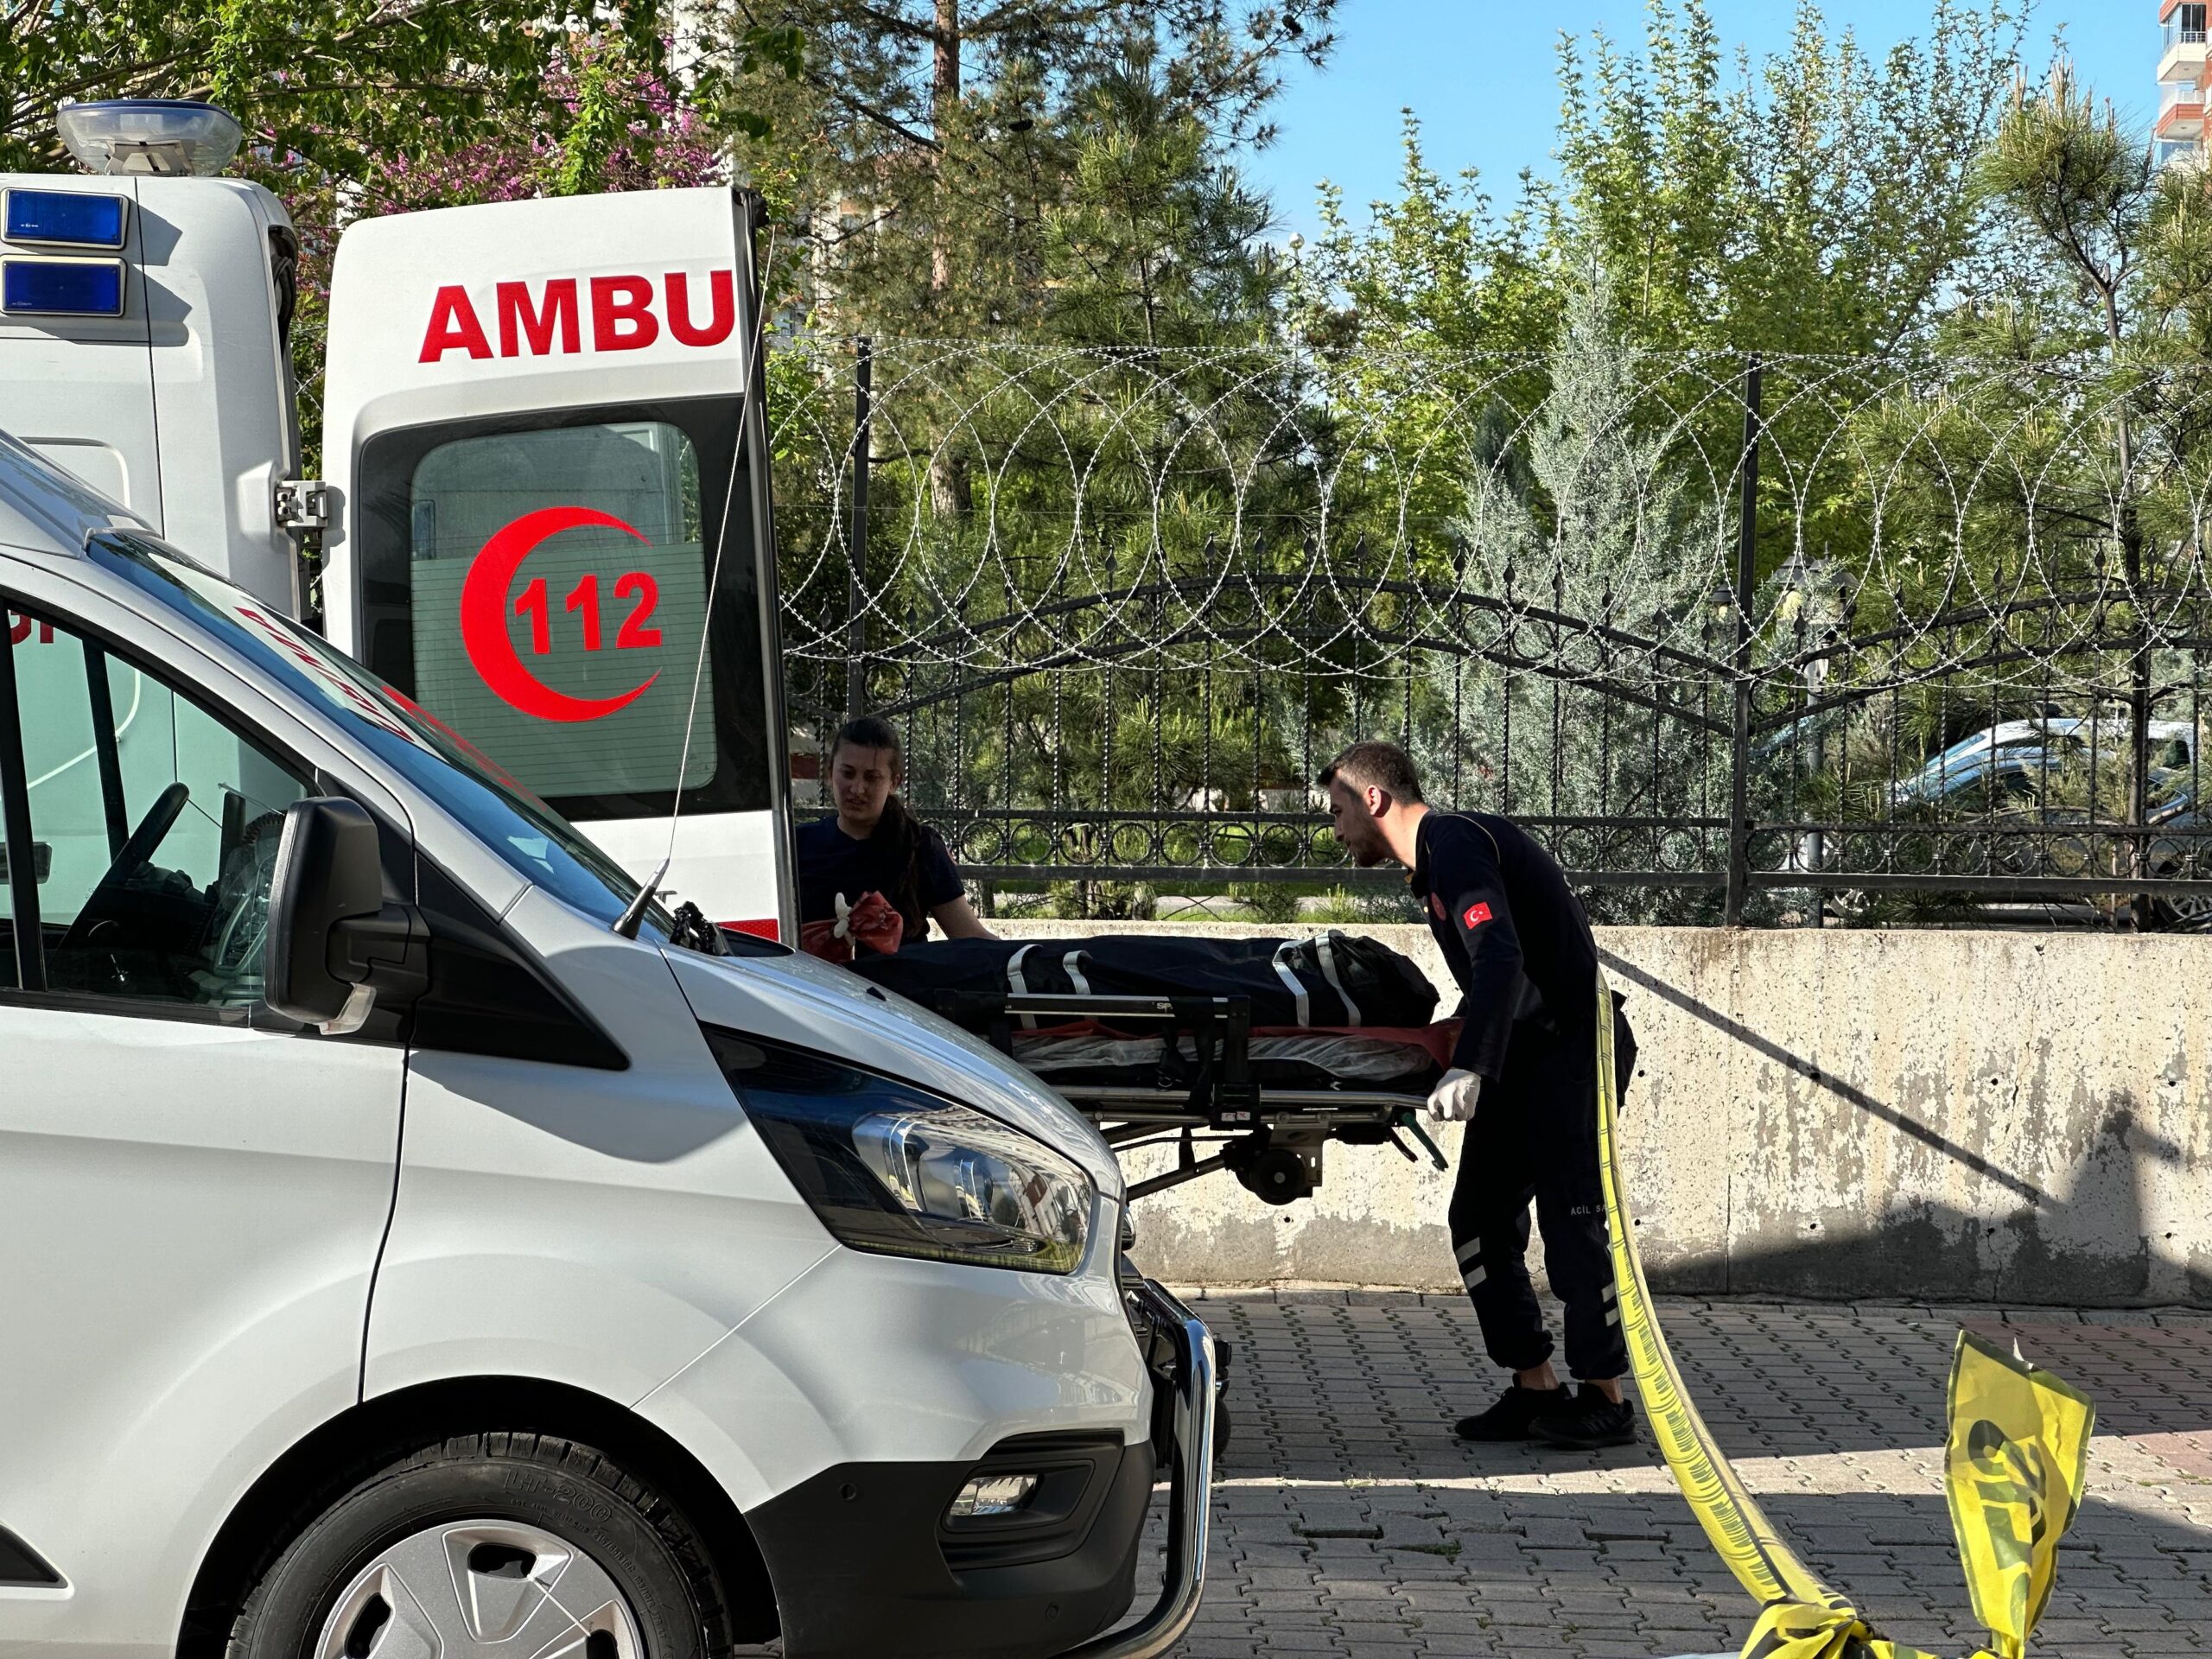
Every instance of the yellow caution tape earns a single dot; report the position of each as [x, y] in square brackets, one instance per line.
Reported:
[1746, 1539]
[2013, 1469]
[1792, 1631]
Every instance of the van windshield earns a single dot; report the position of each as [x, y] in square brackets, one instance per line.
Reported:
[541, 846]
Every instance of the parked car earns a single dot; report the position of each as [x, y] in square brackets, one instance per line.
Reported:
[2012, 759]
[2182, 851]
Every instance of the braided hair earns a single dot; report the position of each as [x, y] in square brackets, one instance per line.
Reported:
[898, 831]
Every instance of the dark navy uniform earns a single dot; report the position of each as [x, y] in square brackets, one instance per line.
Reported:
[1516, 939]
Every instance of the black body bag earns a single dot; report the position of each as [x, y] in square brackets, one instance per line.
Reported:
[1331, 979]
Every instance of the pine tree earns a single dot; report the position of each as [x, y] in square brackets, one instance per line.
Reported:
[1599, 547]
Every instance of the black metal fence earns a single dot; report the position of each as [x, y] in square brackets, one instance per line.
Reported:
[1740, 641]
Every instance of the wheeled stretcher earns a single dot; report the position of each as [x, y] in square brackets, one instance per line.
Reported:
[1246, 1055]
[1195, 1072]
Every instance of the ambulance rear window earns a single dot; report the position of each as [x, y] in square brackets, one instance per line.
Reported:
[542, 590]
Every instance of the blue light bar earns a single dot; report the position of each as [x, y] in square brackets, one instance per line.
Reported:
[61, 288]
[73, 218]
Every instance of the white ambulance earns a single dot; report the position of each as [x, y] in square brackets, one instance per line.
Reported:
[542, 436]
[416, 1244]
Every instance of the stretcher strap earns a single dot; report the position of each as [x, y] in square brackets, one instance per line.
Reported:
[1018, 985]
[1073, 962]
[1329, 972]
[1289, 976]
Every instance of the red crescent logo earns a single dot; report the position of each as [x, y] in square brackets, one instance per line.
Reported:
[484, 617]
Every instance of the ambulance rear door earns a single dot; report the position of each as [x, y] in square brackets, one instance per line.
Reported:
[543, 438]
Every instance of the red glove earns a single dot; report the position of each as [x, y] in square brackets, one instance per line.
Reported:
[872, 925]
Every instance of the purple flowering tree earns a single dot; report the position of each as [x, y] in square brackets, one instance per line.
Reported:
[601, 122]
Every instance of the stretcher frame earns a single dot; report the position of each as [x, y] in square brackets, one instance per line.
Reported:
[1274, 1139]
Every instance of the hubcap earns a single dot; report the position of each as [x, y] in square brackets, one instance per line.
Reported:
[493, 1588]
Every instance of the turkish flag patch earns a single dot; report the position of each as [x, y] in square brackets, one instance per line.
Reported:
[1476, 916]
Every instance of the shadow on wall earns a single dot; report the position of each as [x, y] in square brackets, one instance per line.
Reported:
[2091, 1250]
[2093, 1244]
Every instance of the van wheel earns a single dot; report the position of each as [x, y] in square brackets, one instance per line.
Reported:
[515, 1544]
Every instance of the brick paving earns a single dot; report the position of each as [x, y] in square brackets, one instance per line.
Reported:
[1347, 1520]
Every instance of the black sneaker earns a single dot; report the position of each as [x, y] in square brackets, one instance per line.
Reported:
[1514, 1415]
[1587, 1423]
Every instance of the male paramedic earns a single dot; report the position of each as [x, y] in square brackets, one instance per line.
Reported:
[1524, 1081]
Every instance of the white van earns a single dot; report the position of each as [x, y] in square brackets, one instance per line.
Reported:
[403, 1258]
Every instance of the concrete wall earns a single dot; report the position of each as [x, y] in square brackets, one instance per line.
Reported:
[1981, 1116]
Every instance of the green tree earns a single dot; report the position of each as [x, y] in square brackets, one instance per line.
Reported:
[2040, 485]
[1156, 240]
[930, 142]
[1436, 274]
[2082, 193]
[1606, 524]
[1423, 326]
[339, 87]
[1096, 220]
[927, 139]
[1822, 204]
[1818, 205]
[2117, 249]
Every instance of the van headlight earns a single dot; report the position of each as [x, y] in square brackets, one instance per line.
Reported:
[891, 1169]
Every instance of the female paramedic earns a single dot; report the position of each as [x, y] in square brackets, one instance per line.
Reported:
[874, 876]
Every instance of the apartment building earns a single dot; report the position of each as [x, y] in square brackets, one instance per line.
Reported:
[2179, 130]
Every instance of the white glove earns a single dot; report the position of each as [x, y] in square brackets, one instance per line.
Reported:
[1452, 1100]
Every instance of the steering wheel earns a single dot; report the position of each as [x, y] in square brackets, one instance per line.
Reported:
[134, 855]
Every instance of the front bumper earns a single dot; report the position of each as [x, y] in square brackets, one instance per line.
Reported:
[864, 1563]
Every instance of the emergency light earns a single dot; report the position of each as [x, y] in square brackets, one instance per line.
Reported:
[164, 137]
[61, 288]
[74, 219]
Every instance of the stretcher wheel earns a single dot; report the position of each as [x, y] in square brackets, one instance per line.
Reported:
[1277, 1175]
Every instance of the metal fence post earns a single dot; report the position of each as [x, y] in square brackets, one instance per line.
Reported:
[1739, 766]
[856, 540]
[2139, 709]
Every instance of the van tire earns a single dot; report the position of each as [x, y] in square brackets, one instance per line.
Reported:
[578, 1495]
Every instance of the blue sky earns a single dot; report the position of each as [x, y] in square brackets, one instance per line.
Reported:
[1481, 75]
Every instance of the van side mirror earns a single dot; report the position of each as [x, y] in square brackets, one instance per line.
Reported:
[335, 948]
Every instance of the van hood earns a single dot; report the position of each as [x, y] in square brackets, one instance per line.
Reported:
[812, 1004]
